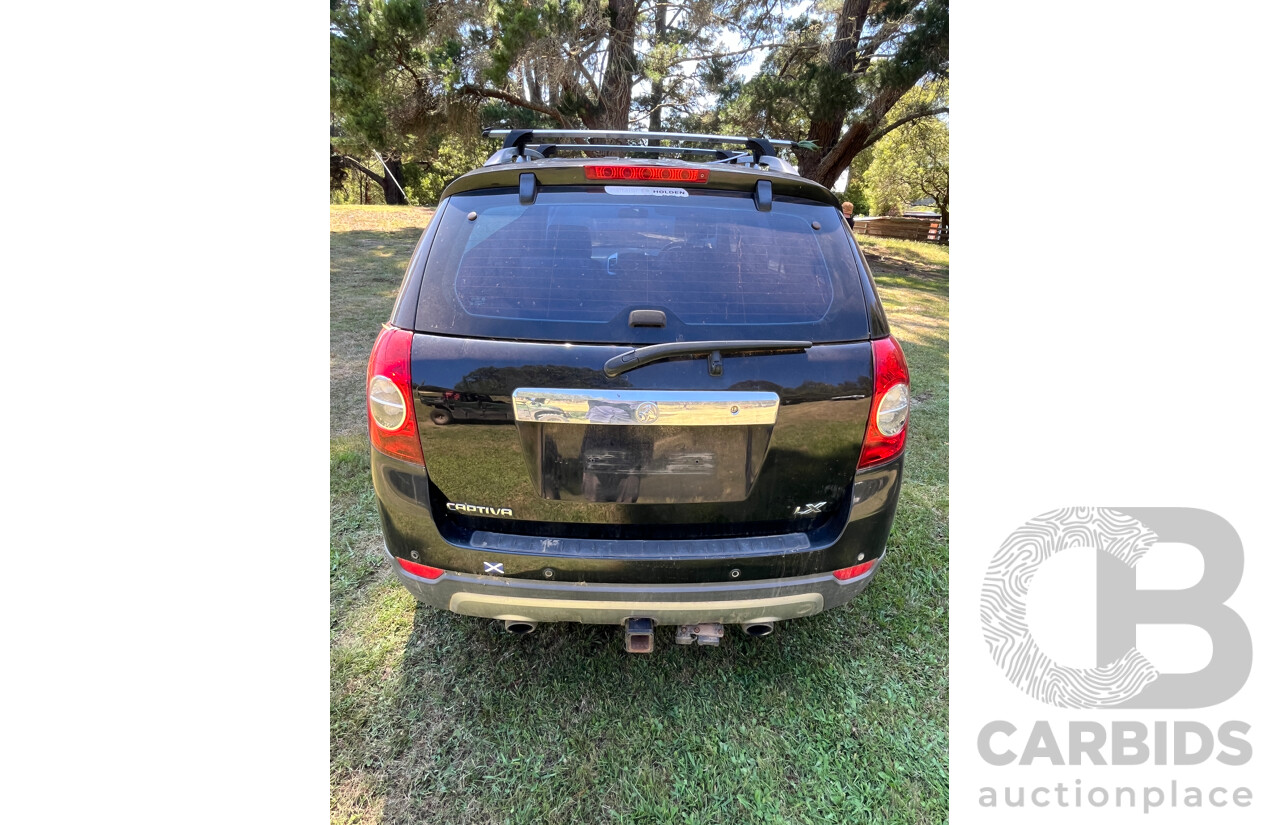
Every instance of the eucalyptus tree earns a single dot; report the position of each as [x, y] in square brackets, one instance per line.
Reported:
[912, 162]
[408, 77]
[580, 63]
[392, 67]
[841, 69]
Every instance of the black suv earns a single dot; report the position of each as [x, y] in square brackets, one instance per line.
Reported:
[637, 391]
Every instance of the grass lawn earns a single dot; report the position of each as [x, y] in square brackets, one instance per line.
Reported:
[838, 718]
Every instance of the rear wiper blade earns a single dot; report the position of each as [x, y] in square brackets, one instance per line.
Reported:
[631, 359]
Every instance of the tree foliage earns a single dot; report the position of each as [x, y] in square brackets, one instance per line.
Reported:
[410, 79]
[392, 65]
[911, 163]
[841, 71]
[855, 190]
[579, 62]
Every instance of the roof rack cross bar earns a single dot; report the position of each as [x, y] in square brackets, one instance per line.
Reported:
[519, 145]
[608, 134]
[560, 148]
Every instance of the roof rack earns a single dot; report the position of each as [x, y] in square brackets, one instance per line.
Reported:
[516, 148]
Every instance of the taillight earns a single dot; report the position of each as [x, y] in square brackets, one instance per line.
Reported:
[854, 572]
[667, 174]
[392, 427]
[887, 425]
[424, 570]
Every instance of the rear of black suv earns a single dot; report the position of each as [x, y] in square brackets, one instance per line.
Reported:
[637, 392]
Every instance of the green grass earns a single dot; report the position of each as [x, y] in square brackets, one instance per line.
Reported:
[923, 259]
[841, 717]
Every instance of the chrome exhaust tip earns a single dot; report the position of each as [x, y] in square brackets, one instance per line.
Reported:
[519, 627]
[757, 629]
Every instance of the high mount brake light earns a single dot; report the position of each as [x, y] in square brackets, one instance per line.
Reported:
[886, 435]
[660, 174]
[393, 429]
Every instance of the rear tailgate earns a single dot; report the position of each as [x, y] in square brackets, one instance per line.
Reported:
[518, 312]
[577, 447]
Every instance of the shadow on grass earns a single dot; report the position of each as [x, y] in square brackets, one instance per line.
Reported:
[906, 253]
[936, 285]
[358, 255]
[837, 713]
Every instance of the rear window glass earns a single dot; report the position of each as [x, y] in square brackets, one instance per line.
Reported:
[572, 265]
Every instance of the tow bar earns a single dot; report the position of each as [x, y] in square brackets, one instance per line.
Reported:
[707, 633]
[638, 634]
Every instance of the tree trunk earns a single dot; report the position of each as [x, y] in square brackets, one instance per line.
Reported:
[531, 81]
[390, 189]
[834, 153]
[660, 38]
[381, 180]
[614, 108]
[850, 55]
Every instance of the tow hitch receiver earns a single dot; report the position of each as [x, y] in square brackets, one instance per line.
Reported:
[707, 633]
[638, 634]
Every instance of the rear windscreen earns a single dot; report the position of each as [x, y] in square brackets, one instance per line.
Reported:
[574, 264]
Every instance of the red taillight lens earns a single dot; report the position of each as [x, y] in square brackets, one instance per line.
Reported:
[423, 570]
[887, 424]
[393, 429]
[657, 174]
[855, 571]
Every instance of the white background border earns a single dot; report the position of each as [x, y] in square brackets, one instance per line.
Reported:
[1113, 295]
[1114, 290]
[166, 585]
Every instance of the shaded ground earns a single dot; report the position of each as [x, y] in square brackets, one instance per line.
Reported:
[841, 717]
[890, 256]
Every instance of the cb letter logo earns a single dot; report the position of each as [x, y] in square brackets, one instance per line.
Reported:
[1123, 678]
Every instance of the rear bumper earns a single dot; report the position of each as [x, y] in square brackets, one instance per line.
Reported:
[404, 497]
[770, 600]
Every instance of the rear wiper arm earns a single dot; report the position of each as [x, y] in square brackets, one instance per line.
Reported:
[631, 359]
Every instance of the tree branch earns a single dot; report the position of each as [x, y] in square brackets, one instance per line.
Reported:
[595, 90]
[722, 54]
[347, 160]
[884, 130]
[515, 100]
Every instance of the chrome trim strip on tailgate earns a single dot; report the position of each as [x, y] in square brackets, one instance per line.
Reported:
[645, 407]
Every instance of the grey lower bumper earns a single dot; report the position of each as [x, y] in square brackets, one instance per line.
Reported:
[771, 600]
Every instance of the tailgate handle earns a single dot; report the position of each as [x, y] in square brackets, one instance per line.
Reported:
[648, 318]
